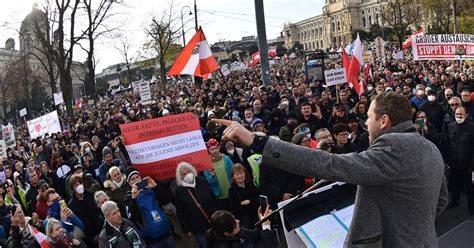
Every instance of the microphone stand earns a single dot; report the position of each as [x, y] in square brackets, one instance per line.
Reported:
[310, 189]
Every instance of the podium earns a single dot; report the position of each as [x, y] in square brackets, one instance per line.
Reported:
[321, 216]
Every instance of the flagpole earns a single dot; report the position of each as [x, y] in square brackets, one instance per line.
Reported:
[226, 83]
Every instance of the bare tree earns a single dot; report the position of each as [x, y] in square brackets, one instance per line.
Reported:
[64, 43]
[400, 15]
[97, 12]
[123, 46]
[164, 32]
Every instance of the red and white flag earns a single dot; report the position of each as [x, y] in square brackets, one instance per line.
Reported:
[345, 60]
[40, 237]
[355, 65]
[157, 146]
[368, 71]
[255, 58]
[272, 51]
[407, 43]
[195, 59]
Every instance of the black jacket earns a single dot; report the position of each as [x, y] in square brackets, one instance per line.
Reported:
[460, 145]
[246, 213]
[189, 215]
[248, 239]
[88, 213]
[435, 113]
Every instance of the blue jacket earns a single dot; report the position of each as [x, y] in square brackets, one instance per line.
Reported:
[54, 211]
[154, 221]
[212, 180]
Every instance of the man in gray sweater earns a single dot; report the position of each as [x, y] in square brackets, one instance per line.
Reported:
[400, 178]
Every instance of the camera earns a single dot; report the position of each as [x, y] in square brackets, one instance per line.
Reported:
[327, 145]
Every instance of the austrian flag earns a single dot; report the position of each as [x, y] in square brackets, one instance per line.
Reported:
[195, 59]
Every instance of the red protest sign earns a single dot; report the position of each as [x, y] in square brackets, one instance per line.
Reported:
[157, 146]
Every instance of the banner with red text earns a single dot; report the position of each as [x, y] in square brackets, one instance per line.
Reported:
[158, 145]
[442, 46]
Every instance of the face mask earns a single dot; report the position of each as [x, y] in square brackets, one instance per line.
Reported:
[88, 149]
[459, 120]
[308, 135]
[421, 92]
[370, 88]
[198, 109]
[167, 106]
[248, 119]
[189, 178]
[431, 98]
[231, 151]
[80, 189]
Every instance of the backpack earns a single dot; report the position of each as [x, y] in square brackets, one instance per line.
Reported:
[155, 223]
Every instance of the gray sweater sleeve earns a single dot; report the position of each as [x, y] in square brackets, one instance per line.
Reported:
[377, 166]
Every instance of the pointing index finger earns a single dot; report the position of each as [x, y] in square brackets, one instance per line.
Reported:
[222, 121]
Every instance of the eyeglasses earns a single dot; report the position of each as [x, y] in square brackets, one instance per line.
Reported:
[453, 104]
[343, 134]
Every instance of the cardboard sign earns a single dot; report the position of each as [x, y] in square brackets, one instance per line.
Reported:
[23, 112]
[368, 58]
[225, 70]
[442, 46]
[158, 145]
[58, 98]
[8, 136]
[398, 55]
[335, 76]
[136, 87]
[48, 123]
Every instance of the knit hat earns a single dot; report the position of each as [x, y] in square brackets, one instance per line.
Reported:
[212, 143]
[130, 172]
[106, 151]
[255, 122]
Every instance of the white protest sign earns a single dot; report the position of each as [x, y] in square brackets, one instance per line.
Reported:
[442, 46]
[145, 93]
[42, 125]
[3, 148]
[9, 136]
[225, 70]
[335, 76]
[136, 87]
[398, 55]
[58, 98]
[22, 112]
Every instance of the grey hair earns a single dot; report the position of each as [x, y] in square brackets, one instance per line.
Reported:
[107, 207]
[49, 227]
[183, 165]
[316, 134]
[112, 169]
[98, 194]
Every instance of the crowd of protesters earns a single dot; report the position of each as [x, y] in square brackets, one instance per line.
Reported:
[78, 187]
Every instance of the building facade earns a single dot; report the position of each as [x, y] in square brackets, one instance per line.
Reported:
[335, 25]
[28, 48]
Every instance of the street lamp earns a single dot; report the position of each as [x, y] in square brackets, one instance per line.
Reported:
[182, 23]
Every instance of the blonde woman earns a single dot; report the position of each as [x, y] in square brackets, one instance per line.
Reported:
[57, 237]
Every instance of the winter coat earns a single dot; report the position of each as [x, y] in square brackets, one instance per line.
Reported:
[189, 215]
[111, 238]
[117, 194]
[460, 145]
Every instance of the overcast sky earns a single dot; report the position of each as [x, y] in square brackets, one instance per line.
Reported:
[220, 20]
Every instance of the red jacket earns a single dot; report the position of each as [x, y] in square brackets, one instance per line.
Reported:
[42, 208]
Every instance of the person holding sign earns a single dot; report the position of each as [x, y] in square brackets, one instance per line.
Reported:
[401, 188]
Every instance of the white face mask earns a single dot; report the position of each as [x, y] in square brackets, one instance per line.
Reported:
[460, 120]
[370, 88]
[431, 98]
[421, 92]
[189, 178]
[80, 189]
[231, 151]
[88, 149]
[249, 119]
[308, 136]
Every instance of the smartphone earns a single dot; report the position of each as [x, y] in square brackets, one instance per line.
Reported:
[142, 184]
[420, 122]
[263, 200]
[63, 204]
